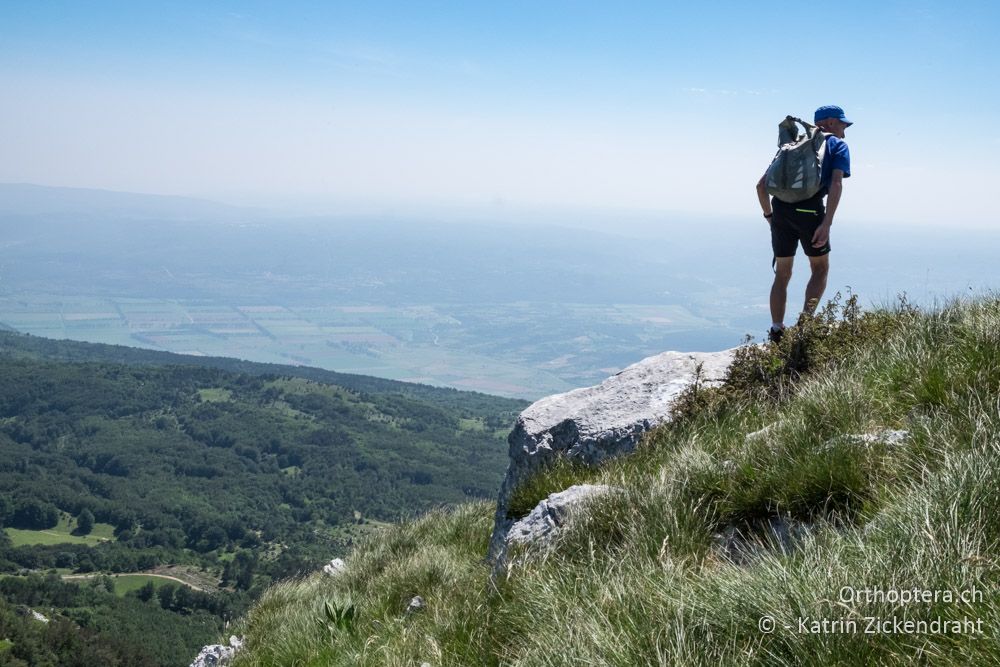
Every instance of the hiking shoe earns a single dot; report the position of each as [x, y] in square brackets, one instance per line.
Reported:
[774, 335]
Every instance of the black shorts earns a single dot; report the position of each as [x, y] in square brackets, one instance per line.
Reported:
[795, 224]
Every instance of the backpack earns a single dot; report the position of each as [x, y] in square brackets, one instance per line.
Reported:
[796, 170]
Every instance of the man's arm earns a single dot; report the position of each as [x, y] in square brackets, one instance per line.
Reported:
[822, 234]
[765, 201]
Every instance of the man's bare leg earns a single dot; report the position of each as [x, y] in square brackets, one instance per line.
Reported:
[817, 282]
[779, 289]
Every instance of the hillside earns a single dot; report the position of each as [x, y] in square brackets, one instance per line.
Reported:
[16, 345]
[120, 460]
[833, 502]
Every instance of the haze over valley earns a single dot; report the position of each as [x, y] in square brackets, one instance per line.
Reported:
[480, 303]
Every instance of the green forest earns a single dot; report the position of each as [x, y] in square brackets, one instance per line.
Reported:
[118, 460]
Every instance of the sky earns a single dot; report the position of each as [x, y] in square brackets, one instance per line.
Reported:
[648, 106]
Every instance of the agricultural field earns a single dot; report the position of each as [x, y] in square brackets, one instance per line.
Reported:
[160, 576]
[60, 534]
[520, 349]
[126, 583]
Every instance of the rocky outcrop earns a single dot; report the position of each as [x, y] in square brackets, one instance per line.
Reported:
[541, 526]
[595, 423]
[217, 655]
[335, 567]
[886, 436]
[416, 604]
[31, 613]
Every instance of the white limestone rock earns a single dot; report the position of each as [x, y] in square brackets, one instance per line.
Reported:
[886, 436]
[595, 423]
[218, 655]
[542, 525]
[335, 567]
[416, 604]
[31, 613]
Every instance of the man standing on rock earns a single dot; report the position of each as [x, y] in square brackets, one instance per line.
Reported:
[807, 222]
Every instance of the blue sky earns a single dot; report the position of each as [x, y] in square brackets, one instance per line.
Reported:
[631, 105]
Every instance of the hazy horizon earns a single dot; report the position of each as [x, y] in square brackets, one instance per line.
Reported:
[507, 307]
[387, 106]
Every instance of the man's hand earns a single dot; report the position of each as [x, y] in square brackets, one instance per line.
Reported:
[821, 235]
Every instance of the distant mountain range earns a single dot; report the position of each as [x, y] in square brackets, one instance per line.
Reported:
[26, 199]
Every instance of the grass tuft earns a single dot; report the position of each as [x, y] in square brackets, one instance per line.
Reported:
[562, 473]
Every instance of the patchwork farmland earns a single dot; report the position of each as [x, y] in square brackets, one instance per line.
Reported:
[513, 349]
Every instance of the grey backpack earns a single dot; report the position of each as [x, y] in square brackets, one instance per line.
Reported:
[794, 173]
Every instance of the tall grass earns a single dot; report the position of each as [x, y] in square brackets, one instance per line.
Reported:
[644, 578]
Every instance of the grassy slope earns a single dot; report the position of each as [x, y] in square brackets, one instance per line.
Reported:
[641, 580]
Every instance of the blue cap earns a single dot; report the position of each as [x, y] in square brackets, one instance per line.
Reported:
[831, 112]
